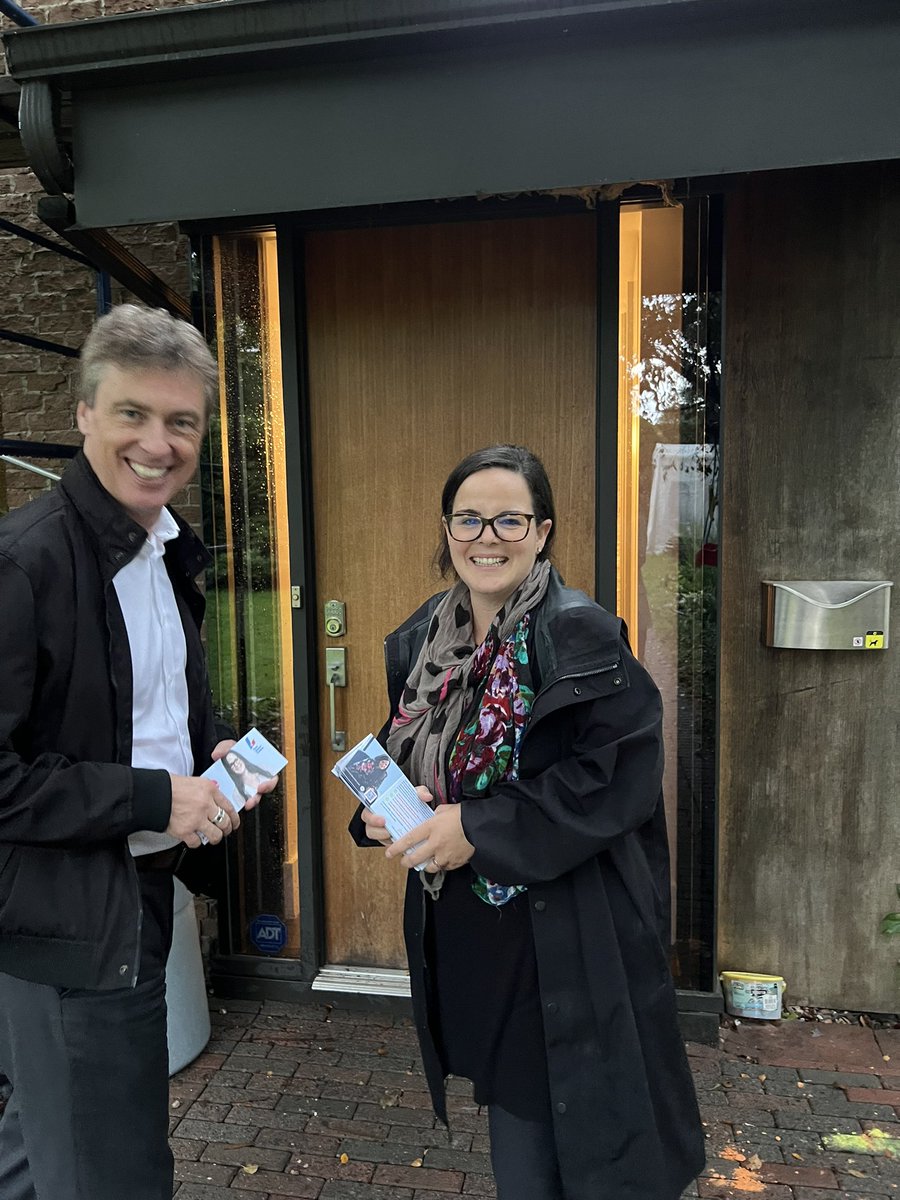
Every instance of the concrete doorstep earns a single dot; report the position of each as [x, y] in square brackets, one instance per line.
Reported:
[319, 1102]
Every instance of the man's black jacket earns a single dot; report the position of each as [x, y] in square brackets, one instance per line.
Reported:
[70, 911]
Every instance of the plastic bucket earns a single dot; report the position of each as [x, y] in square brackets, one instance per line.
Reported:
[751, 995]
[188, 1004]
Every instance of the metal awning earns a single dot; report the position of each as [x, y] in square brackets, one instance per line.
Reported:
[264, 106]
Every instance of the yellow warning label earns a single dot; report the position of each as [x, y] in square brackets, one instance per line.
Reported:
[875, 639]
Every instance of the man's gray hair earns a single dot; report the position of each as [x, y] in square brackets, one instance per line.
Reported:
[134, 338]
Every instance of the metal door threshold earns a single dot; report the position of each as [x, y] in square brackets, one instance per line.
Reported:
[365, 981]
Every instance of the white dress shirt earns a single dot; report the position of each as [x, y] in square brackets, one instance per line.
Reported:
[158, 660]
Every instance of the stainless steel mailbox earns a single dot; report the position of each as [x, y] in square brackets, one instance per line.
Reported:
[819, 614]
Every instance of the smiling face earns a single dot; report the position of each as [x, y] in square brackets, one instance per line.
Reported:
[492, 569]
[236, 763]
[142, 436]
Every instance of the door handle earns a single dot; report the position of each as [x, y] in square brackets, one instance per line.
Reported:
[336, 672]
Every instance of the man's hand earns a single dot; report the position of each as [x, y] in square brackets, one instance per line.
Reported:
[195, 802]
[221, 749]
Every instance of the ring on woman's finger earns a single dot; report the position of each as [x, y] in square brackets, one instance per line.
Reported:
[220, 817]
[434, 863]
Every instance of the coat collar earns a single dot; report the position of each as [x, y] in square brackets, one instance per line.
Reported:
[572, 634]
[116, 537]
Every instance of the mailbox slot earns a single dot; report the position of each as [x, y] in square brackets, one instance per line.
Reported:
[817, 614]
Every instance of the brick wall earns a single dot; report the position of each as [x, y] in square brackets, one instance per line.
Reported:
[48, 296]
[51, 297]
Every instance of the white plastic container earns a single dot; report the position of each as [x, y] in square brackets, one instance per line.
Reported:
[757, 997]
[188, 1005]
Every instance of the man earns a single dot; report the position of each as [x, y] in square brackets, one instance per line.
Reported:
[105, 717]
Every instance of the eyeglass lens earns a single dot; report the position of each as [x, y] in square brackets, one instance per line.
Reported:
[509, 527]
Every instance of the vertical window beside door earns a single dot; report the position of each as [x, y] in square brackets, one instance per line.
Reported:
[248, 589]
[668, 518]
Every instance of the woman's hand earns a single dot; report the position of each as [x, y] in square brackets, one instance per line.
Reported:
[375, 829]
[374, 824]
[443, 847]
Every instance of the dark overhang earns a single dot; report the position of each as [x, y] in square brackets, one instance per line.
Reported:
[256, 106]
[245, 35]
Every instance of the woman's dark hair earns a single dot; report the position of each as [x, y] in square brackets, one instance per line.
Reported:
[235, 778]
[508, 458]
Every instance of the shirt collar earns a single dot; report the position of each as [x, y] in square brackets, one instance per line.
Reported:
[166, 527]
[116, 536]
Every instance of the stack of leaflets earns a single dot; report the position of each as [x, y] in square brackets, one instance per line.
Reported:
[377, 782]
[248, 763]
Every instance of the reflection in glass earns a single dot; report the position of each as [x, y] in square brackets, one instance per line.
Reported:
[669, 372]
[248, 591]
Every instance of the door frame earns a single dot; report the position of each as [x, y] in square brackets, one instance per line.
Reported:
[286, 979]
[290, 236]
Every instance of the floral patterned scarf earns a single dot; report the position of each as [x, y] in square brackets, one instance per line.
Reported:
[487, 748]
[463, 712]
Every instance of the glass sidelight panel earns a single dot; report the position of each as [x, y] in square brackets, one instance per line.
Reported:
[248, 590]
[668, 477]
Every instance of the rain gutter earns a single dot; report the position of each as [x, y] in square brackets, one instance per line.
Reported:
[246, 35]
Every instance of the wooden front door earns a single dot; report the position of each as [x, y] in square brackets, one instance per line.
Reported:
[425, 343]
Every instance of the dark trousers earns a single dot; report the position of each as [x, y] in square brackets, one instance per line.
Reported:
[88, 1115]
[523, 1157]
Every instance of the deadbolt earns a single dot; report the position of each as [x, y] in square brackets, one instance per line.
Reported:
[335, 618]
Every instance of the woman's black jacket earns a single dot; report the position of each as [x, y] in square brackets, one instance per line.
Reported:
[70, 908]
[584, 828]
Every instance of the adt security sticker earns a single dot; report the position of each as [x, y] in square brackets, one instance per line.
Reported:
[268, 933]
[875, 639]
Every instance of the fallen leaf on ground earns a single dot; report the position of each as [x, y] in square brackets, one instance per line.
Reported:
[742, 1181]
[250, 1168]
[873, 1141]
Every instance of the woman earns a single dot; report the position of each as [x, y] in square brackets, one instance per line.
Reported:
[539, 971]
[246, 776]
[366, 775]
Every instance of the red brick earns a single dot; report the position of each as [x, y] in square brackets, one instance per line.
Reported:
[239, 1156]
[804, 1193]
[722, 1190]
[186, 1148]
[280, 1183]
[807, 1044]
[874, 1095]
[203, 1172]
[796, 1176]
[330, 1167]
[418, 1177]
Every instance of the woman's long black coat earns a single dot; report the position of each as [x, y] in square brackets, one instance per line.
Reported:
[584, 828]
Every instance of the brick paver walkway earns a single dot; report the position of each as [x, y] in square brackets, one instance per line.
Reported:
[306, 1101]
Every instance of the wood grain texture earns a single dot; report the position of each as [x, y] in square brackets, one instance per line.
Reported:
[810, 775]
[426, 343]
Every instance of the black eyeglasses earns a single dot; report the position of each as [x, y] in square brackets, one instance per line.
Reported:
[508, 526]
